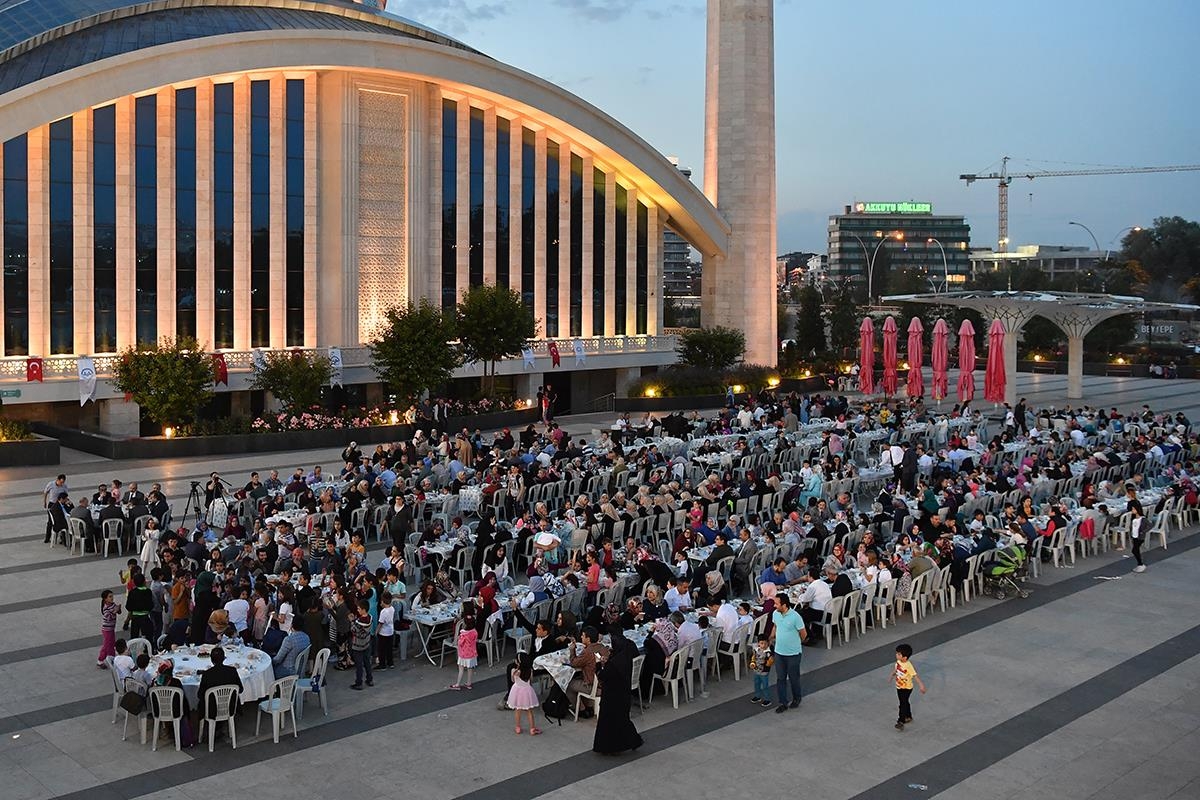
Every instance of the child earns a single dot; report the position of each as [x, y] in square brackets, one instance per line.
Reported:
[109, 611]
[522, 699]
[468, 652]
[761, 662]
[126, 577]
[387, 632]
[360, 647]
[903, 676]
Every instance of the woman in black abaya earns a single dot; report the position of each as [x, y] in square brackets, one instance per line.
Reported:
[615, 732]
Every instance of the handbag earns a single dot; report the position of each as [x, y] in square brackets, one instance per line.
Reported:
[133, 702]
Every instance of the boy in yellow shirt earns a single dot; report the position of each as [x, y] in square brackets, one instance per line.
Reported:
[903, 675]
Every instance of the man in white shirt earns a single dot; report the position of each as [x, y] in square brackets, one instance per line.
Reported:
[688, 631]
[239, 610]
[726, 618]
[677, 597]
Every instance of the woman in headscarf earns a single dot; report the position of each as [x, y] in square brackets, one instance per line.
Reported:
[768, 604]
[714, 588]
[633, 614]
[615, 732]
[659, 647]
[485, 538]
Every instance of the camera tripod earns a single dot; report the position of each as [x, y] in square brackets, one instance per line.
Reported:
[193, 504]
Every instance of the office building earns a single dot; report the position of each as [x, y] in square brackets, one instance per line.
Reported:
[904, 229]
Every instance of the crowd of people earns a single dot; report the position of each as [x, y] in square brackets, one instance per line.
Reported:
[736, 526]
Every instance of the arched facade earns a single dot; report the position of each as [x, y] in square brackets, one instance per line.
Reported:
[338, 162]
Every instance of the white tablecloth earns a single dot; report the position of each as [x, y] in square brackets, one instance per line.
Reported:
[253, 666]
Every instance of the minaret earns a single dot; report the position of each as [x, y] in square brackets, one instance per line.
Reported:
[738, 289]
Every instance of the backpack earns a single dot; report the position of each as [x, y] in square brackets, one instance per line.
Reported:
[555, 706]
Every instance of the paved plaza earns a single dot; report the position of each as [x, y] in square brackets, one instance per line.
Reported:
[1087, 689]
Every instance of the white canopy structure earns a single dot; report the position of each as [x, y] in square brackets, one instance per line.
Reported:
[1075, 313]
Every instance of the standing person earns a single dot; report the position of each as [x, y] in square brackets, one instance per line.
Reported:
[360, 646]
[1136, 525]
[522, 699]
[903, 676]
[54, 491]
[385, 639]
[1019, 417]
[548, 400]
[110, 609]
[140, 602]
[760, 664]
[787, 633]
[468, 651]
[615, 731]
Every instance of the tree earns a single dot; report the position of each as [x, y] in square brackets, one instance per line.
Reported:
[712, 348]
[1168, 252]
[493, 324]
[843, 318]
[783, 322]
[810, 322]
[171, 380]
[412, 351]
[294, 377]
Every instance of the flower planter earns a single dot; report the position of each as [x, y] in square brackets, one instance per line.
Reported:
[234, 444]
[35, 452]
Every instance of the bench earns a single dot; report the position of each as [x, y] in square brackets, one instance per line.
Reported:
[1125, 370]
[1045, 368]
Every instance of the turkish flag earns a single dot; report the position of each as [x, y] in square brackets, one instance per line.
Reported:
[553, 348]
[220, 369]
[33, 370]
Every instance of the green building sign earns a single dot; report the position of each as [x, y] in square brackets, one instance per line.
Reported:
[893, 208]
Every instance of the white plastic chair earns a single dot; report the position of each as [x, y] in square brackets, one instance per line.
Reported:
[165, 701]
[672, 677]
[736, 650]
[138, 646]
[77, 530]
[636, 685]
[112, 529]
[916, 597]
[592, 697]
[849, 615]
[118, 688]
[279, 703]
[224, 699]
[316, 679]
[830, 622]
[132, 684]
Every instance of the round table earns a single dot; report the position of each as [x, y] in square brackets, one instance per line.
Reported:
[253, 666]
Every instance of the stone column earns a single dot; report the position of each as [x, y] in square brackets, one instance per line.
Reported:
[119, 418]
[1074, 367]
[539, 231]
[204, 215]
[38, 271]
[241, 214]
[610, 253]
[586, 247]
[739, 171]
[83, 291]
[1010, 366]
[166, 303]
[463, 238]
[625, 378]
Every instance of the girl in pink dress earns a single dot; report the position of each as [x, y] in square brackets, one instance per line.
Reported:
[109, 611]
[468, 651]
[522, 699]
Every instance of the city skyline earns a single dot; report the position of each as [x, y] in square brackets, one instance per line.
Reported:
[902, 121]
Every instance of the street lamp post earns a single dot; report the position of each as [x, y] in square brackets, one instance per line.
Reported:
[945, 267]
[1108, 249]
[898, 236]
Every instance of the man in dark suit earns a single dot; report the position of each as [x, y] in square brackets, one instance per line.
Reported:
[219, 674]
[113, 511]
[908, 469]
[83, 513]
[57, 509]
[133, 496]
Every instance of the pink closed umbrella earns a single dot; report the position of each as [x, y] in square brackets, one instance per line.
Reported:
[994, 379]
[916, 381]
[866, 356]
[939, 358]
[890, 378]
[966, 361]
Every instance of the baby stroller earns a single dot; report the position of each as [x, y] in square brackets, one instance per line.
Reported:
[1001, 576]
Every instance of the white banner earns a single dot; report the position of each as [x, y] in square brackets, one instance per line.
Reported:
[87, 380]
[527, 355]
[580, 356]
[335, 363]
[259, 359]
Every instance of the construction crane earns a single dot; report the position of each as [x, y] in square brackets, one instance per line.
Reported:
[1005, 178]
